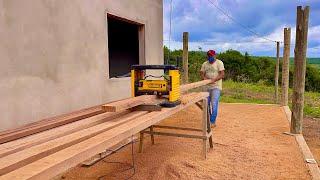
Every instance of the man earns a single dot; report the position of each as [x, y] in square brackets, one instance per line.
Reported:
[213, 69]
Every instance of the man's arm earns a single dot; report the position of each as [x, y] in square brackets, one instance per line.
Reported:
[202, 75]
[220, 76]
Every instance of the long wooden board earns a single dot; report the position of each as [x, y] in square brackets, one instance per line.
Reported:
[21, 158]
[60, 161]
[128, 103]
[35, 139]
[49, 124]
[47, 120]
[186, 87]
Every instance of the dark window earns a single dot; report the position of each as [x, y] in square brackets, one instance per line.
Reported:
[123, 42]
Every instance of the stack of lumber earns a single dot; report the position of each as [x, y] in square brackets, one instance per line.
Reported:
[45, 149]
[49, 123]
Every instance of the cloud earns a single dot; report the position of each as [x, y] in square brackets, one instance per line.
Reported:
[210, 29]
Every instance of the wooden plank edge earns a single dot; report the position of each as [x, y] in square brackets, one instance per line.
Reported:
[37, 129]
[186, 87]
[42, 137]
[304, 149]
[127, 103]
[46, 120]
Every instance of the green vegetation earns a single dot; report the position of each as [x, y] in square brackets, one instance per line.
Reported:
[315, 62]
[244, 68]
[250, 79]
[263, 94]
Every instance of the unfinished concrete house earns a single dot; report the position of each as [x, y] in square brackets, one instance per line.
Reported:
[60, 56]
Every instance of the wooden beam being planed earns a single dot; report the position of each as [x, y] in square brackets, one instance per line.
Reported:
[128, 103]
[186, 87]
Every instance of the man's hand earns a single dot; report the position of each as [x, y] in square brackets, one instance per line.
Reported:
[202, 75]
[213, 80]
[220, 76]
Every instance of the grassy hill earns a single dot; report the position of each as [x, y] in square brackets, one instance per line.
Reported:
[315, 62]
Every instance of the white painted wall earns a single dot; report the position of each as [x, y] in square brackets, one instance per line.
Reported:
[54, 55]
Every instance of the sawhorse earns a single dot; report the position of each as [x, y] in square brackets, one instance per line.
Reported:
[206, 130]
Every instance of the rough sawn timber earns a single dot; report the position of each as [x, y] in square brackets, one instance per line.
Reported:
[60, 161]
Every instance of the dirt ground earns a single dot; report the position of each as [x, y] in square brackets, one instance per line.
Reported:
[311, 133]
[249, 144]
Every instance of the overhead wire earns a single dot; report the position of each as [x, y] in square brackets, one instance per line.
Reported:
[240, 24]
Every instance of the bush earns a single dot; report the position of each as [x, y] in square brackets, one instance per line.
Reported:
[243, 68]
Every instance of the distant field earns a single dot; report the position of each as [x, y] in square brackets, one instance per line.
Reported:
[312, 61]
[263, 94]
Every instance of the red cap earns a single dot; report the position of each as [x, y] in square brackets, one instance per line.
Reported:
[211, 53]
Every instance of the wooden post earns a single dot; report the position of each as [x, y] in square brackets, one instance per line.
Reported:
[285, 67]
[299, 74]
[185, 57]
[276, 76]
[204, 125]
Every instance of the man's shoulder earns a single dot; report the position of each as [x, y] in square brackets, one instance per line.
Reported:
[204, 63]
[219, 61]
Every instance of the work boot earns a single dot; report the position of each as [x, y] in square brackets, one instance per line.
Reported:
[213, 125]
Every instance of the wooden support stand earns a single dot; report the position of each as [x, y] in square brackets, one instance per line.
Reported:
[206, 130]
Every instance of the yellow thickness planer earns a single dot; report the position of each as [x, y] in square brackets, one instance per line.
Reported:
[167, 85]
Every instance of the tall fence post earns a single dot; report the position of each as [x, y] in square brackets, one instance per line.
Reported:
[276, 76]
[185, 57]
[299, 74]
[285, 67]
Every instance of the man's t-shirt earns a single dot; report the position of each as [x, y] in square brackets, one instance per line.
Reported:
[212, 71]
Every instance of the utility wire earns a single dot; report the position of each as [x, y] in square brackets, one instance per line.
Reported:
[237, 22]
[209, 41]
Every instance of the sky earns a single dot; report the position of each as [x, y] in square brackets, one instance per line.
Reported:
[211, 29]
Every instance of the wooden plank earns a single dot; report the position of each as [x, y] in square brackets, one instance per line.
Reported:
[178, 128]
[35, 139]
[47, 120]
[21, 158]
[313, 167]
[128, 103]
[177, 135]
[186, 87]
[304, 148]
[147, 107]
[52, 123]
[60, 161]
